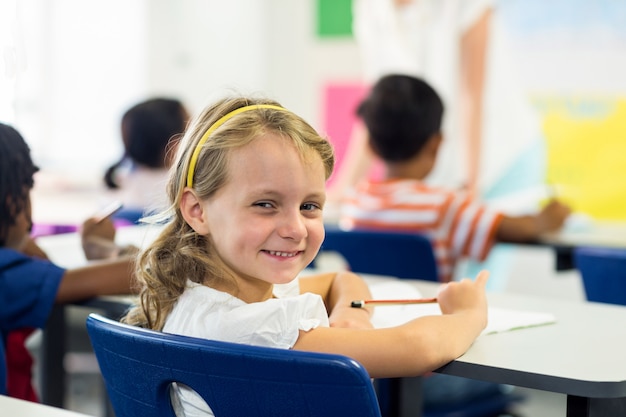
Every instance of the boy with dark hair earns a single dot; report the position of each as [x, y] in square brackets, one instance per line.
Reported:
[29, 283]
[403, 118]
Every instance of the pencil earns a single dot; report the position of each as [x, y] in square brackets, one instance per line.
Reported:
[373, 303]
[108, 211]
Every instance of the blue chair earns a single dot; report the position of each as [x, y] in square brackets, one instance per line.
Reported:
[138, 366]
[402, 255]
[603, 272]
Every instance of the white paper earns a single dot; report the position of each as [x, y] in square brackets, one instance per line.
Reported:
[499, 319]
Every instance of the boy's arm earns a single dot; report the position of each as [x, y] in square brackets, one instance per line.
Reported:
[98, 278]
[525, 228]
[338, 291]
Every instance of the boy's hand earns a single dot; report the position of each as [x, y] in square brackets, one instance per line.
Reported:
[552, 216]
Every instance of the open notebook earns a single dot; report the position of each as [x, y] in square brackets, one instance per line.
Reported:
[500, 319]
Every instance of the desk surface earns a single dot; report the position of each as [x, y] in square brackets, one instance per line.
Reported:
[14, 407]
[593, 233]
[66, 250]
[581, 354]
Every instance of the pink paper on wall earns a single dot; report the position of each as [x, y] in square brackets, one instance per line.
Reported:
[340, 104]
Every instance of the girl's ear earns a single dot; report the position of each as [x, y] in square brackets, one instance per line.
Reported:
[193, 212]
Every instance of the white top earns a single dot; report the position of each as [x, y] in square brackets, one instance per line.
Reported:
[207, 313]
[420, 38]
[142, 188]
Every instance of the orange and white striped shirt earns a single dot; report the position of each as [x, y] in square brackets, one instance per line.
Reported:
[456, 225]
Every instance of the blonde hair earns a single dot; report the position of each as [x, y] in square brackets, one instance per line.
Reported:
[179, 253]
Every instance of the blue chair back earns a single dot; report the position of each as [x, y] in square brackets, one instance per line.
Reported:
[138, 366]
[603, 272]
[398, 254]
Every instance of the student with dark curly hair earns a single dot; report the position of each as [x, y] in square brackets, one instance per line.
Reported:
[29, 283]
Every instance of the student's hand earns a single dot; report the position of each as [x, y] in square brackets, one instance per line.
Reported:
[98, 239]
[104, 228]
[552, 216]
[350, 317]
[465, 295]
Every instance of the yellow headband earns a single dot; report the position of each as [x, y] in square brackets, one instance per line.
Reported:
[214, 127]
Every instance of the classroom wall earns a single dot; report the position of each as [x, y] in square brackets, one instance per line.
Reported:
[201, 49]
[70, 68]
[68, 80]
[65, 81]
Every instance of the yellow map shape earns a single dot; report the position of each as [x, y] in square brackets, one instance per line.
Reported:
[586, 154]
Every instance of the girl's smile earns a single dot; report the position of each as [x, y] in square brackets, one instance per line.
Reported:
[281, 254]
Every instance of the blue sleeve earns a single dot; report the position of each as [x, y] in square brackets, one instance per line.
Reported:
[28, 289]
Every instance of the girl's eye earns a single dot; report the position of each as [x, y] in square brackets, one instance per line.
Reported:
[264, 204]
[309, 207]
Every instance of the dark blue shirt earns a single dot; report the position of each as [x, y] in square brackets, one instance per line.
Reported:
[28, 288]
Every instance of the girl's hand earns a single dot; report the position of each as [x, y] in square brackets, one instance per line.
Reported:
[465, 295]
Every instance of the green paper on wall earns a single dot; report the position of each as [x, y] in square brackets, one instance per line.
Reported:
[334, 18]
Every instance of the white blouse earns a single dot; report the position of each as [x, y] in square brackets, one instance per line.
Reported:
[204, 312]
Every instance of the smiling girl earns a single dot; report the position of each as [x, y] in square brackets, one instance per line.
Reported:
[247, 193]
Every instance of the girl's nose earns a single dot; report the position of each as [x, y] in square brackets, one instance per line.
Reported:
[293, 226]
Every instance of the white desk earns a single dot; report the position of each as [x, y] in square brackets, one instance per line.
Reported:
[14, 407]
[595, 233]
[65, 249]
[582, 355]
[592, 233]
